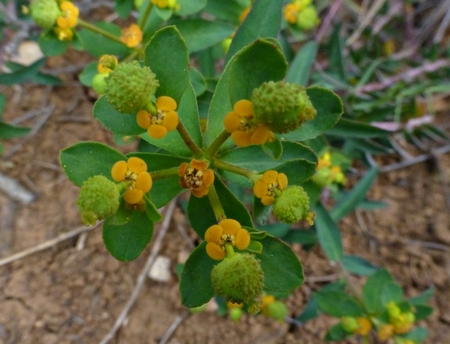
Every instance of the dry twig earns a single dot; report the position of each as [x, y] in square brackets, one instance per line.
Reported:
[178, 320]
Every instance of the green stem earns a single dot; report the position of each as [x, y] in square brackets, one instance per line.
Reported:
[219, 141]
[353, 289]
[217, 163]
[166, 173]
[146, 14]
[218, 210]
[100, 31]
[196, 150]
[230, 251]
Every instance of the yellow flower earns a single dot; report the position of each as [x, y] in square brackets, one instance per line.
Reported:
[69, 16]
[385, 332]
[107, 63]
[291, 12]
[135, 172]
[231, 305]
[131, 36]
[403, 323]
[166, 4]
[63, 34]
[228, 231]
[266, 187]
[243, 131]
[364, 326]
[265, 302]
[164, 121]
[196, 177]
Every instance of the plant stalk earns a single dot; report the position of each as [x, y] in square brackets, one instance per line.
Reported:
[216, 205]
[100, 31]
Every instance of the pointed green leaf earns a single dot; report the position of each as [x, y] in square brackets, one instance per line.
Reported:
[392, 292]
[151, 211]
[23, 74]
[373, 289]
[348, 128]
[300, 68]
[188, 7]
[358, 265]
[329, 109]
[328, 234]
[51, 45]
[173, 72]
[88, 74]
[423, 297]
[164, 190]
[338, 303]
[337, 332]
[88, 159]
[9, 131]
[254, 247]
[195, 284]
[127, 241]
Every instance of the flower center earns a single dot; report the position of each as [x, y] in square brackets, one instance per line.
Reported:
[193, 178]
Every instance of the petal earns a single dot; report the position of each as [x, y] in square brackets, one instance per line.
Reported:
[201, 191]
[143, 119]
[213, 234]
[62, 22]
[170, 121]
[136, 165]
[244, 108]
[182, 169]
[119, 170]
[241, 138]
[230, 226]
[260, 189]
[166, 103]
[157, 131]
[215, 251]
[133, 196]
[242, 239]
[270, 177]
[144, 181]
[199, 164]
[208, 177]
[267, 200]
[282, 181]
[231, 122]
[260, 135]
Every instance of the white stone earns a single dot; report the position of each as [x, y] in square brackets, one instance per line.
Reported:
[160, 270]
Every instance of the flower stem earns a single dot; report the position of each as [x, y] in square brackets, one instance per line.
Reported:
[219, 141]
[219, 212]
[100, 31]
[198, 152]
[166, 173]
[217, 163]
[145, 16]
[230, 251]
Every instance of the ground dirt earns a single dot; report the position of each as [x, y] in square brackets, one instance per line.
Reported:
[69, 295]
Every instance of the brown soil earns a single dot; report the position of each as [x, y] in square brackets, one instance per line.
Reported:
[69, 295]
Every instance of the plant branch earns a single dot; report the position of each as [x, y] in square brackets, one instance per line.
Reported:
[217, 163]
[216, 205]
[196, 150]
[145, 16]
[219, 141]
[166, 173]
[100, 31]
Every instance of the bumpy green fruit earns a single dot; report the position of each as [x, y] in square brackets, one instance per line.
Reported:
[98, 199]
[99, 83]
[277, 310]
[281, 106]
[45, 12]
[308, 19]
[130, 87]
[238, 278]
[292, 205]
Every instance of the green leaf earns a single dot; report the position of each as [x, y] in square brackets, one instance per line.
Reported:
[38, 78]
[173, 72]
[195, 284]
[157, 161]
[329, 109]
[304, 237]
[198, 81]
[336, 60]
[88, 159]
[358, 265]
[263, 20]
[328, 234]
[200, 34]
[337, 332]
[123, 8]
[188, 7]
[98, 45]
[88, 74]
[337, 303]
[259, 62]
[351, 199]
[118, 123]
[229, 11]
[51, 45]
[418, 334]
[188, 115]
[260, 212]
[423, 297]
[300, 68]
[164, 190]
[163, 13]
[254, 247]
[309, 312]
[222, 101]
[2, 104]
[373, 289]
[9, 131]
[151, 211]
[201, 215]
[273, 149]
[127, 241]
[392, 292]
[283, 272]
[24, 74]
[349, 128]
[298, 171]
[422, 312]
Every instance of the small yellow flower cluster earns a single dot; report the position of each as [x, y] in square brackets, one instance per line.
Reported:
[107, 63]
[196, 177]
[327, 173]
[227, 232]
[302, 13]
[131, 36]
[399, 322]
[66, 21]
[361, 325]
[164, 121]
[171, 4]
[133, 171]
[267, 187]
[244, 131]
